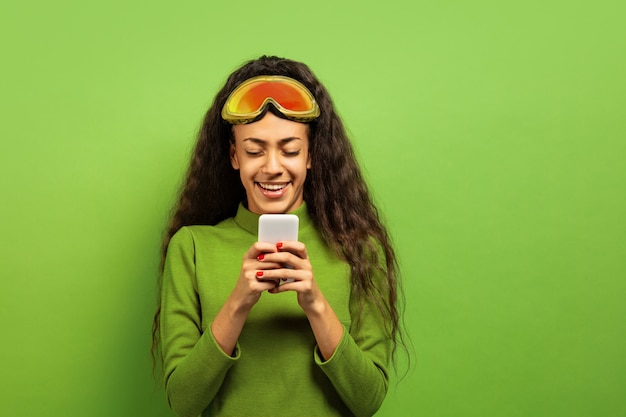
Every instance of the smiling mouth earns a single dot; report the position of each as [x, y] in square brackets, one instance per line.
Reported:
[272, 187]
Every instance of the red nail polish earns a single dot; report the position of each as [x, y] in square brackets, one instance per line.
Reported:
[260, 257]
[279, 245]
[259, 273]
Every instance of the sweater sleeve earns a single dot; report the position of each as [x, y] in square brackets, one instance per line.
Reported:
[194, 364]
[358, 369]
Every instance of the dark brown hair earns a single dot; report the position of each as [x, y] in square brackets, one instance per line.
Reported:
[336, 194]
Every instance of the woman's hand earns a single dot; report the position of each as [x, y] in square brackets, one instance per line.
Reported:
[290, 262]
[229, 321]
[294, 264]
[253, 279]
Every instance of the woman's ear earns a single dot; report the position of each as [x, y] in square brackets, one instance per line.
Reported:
[233, 156]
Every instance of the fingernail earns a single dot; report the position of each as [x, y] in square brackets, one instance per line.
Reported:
[259, 273]
[279, 245]
[260, 257]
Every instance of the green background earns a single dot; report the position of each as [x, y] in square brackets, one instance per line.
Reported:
[492, 134]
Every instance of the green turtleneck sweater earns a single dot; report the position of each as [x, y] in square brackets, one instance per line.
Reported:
[276, 369]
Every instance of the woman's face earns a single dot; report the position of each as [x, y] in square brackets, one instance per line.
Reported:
[272, 156]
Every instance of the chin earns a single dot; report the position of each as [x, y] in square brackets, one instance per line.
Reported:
[274, 208]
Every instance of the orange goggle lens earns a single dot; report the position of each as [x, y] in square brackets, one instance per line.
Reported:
[250, 99]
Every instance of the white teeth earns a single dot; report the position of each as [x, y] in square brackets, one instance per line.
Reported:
[272, 187]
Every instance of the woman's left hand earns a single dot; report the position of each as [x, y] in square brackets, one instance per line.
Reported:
[296, 268]
[326, 327]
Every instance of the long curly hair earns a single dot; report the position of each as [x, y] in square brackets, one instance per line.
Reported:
[337, 197]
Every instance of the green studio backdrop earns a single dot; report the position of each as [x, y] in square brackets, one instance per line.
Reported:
[492, 135]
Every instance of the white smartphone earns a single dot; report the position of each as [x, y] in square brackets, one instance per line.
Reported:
[274, 228]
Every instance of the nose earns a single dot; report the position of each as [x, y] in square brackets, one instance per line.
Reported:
[273, 164]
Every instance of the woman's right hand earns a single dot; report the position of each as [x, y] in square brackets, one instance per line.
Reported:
[229, 321]
[251, 284]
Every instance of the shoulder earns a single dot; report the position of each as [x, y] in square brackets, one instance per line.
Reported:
[187, 235]
[204, 232]
[199, 236]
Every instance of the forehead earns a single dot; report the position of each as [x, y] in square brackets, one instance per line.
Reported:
[271, 129]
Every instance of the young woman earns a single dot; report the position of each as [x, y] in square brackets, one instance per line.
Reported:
[235, 338]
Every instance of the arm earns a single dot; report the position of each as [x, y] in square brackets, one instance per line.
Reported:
[325, 324]
[355, 361]
[359, 367]
[229, 321]
[194, 364]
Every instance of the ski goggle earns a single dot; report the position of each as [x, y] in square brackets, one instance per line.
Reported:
[250, 100]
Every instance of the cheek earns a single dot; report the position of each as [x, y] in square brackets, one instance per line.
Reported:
[300, 166]
[247, 168]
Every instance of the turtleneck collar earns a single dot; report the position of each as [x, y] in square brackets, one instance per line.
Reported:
[250, 221]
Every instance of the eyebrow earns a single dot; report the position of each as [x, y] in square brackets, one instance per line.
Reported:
[281, 142]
